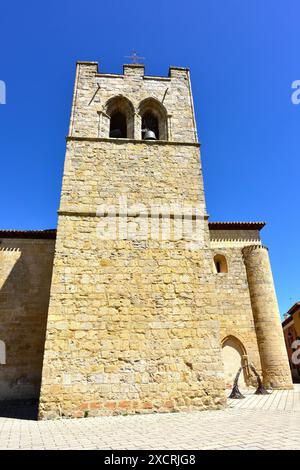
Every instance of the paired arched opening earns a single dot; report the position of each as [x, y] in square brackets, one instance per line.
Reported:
[220, 264]
[121, 114]
[153, 120]
[2, 352]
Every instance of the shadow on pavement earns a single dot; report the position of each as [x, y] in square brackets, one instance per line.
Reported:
[27, 410]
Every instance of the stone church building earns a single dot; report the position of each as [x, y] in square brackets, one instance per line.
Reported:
[137, 303]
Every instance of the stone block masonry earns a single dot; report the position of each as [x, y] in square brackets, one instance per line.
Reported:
[130, 329]
[132, 324]
[270, 338]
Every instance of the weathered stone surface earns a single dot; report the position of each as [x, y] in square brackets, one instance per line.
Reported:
[273, 354]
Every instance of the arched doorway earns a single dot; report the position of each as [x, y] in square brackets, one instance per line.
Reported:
[234, 356]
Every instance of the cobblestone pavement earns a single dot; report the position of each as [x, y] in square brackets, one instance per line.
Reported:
[233, 428]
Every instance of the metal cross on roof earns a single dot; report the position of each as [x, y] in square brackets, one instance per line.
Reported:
[135, 58]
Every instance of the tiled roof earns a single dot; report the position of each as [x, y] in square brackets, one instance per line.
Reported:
[294, 308]
[236, 225]
[286, 321]
[290, 313]
[50, 233]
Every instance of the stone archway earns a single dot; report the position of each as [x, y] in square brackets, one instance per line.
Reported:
[234, 356]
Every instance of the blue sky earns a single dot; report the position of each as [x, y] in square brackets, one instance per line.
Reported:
[243, 56]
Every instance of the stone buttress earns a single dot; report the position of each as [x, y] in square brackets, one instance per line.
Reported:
[274, 361]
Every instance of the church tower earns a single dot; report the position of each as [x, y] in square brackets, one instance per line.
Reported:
[132, 318]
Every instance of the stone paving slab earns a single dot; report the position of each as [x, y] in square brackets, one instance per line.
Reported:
[228, 429]
[253, 423]
[288, 400]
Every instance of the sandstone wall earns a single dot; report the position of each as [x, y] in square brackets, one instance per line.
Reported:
[232, 291]
[248, 305]
[25, 277]
[131, 327]
[100, 171]
[132, 322]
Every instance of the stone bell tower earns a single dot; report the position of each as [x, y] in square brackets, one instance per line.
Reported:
[131, 324]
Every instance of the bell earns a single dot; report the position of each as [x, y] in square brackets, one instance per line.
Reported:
[149, 135]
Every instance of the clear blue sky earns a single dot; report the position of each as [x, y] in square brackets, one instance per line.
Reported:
[243, 56]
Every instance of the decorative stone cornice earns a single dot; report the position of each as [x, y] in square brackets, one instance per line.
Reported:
[250, 248]
[9, 249]
[71, 138]
[134, 213]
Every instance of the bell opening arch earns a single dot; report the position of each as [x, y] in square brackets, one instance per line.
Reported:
[153, 117]
[120, 112]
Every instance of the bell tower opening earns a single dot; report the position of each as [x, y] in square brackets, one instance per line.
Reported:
[120, 113]
[153, 117]
[118, 125]
[150, 129]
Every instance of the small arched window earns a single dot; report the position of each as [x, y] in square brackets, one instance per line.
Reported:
[220, 264]
[118, 125]
[120, 112]
[153, 120]
[2, 352]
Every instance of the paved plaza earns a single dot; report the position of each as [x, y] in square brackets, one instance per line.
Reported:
[256, 422]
